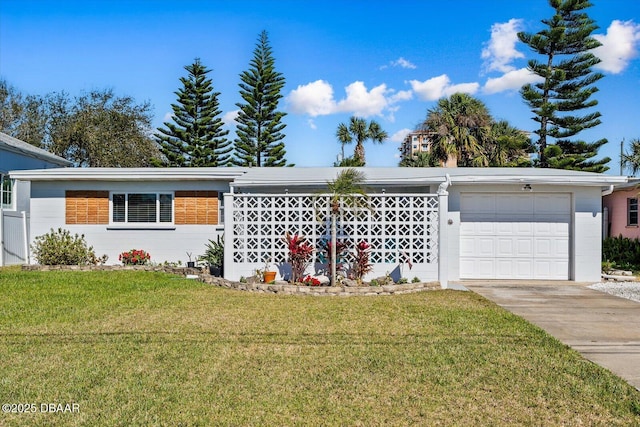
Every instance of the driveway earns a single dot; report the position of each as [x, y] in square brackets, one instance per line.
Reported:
[603, 328]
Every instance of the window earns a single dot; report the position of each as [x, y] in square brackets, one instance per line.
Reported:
[632, 211]
[142, 208]
[6, 188]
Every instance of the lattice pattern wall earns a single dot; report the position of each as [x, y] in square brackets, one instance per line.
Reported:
[399, 228]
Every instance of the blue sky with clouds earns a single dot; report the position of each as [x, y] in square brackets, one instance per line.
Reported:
[387, 61]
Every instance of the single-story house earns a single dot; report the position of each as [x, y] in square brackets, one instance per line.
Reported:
[14, 201]
[440, 224]
[620, 210]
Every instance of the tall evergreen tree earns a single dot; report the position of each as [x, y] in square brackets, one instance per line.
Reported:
[196, 137]
[259, 131]
[567, 85]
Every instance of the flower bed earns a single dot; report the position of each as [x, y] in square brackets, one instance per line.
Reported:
[276, 288]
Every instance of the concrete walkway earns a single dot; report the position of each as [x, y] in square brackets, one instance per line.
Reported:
[603, 328]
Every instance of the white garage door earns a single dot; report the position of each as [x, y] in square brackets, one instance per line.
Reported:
[514, 236]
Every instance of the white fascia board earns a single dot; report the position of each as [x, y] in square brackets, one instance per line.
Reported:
[128, 174]
[319, 183]
[594, 180]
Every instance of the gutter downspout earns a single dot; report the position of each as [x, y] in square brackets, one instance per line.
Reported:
[607, 191]
[605, 214]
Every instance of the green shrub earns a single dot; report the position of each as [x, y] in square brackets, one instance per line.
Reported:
[61, 248]
[415, 280]
[403, 281]
[622, 251]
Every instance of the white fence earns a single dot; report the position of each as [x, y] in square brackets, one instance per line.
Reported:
[401, 229]
[13, 241]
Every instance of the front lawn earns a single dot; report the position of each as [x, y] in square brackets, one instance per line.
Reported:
[139, 348]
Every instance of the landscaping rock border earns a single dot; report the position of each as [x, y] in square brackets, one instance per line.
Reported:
[288, 289]
[283, 288]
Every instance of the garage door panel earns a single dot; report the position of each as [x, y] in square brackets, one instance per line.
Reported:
[551, 269]
[477, 246]
[511, 228]
[525, 237]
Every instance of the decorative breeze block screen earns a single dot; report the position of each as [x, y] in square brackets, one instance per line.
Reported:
[399, 228]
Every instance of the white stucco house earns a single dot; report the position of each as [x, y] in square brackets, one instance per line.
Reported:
[14, 197]
[443, 224]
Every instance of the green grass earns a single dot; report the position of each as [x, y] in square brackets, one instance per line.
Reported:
[139, 348]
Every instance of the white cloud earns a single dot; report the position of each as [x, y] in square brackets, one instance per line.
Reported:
[403, 95]
[362, 102]
[512, 80]
[618, 46]
[501, 49]
[401, 62]
[312, 124]
[167, 117]
[440, 86]
[230, 117]
[316, 99]
[399, 135]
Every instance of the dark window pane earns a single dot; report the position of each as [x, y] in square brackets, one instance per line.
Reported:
[633, 218]
[118, 208]
[165, 208]
[142, 208]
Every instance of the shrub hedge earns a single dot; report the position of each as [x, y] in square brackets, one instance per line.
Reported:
[622, 251]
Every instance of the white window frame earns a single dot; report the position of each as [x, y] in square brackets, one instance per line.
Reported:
[12, 185]
[128, 224]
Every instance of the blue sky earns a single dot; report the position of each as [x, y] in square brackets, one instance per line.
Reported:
[387, 61]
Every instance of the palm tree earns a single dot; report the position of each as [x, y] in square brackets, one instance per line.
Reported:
[359, 130]
[508, 146]
[631, 158]
[461, 124]
[346, 191]
[423, 159]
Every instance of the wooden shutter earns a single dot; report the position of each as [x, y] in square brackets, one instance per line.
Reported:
[86, 207]
[196, 207]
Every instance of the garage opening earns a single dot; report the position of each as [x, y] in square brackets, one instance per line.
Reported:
[515, 236]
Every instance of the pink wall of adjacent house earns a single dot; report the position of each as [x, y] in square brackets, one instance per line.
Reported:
[617, 204]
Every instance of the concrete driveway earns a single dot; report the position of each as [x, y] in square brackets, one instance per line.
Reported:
[603, 328]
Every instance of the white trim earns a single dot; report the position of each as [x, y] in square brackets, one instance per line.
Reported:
[113, 225]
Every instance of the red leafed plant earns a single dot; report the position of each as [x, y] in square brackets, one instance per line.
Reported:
[300, 252]
[361, 264]
[134, 257]
[311, 281]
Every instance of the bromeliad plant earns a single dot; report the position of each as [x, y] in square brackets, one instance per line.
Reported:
[300, 252]
[134, 257]
[361, 264]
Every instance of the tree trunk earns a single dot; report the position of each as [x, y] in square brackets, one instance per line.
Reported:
[334, 239]
[359, 152]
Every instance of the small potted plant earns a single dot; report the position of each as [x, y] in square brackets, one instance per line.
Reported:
[214, 256]
[190, 264]
[268, 274]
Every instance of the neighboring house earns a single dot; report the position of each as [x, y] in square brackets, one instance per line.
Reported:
[432, 223]
[14, 199]
[620, 210]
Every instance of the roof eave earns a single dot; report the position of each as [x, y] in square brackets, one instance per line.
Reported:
[125, 175]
